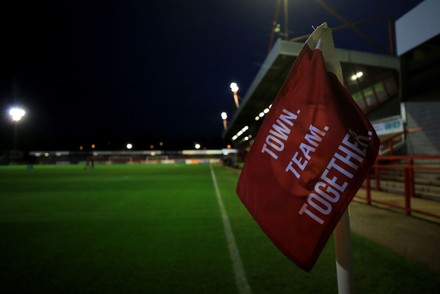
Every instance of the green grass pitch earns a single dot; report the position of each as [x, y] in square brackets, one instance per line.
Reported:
[158, 229]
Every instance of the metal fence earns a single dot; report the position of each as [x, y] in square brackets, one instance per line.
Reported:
[408, 183]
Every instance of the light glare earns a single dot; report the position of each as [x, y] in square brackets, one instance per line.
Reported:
[16, 113]
[357, 75]
[234, 87]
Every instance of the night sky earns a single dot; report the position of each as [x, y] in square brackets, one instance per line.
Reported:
[111, 72]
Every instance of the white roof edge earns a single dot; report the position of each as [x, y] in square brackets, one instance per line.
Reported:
[417, 26]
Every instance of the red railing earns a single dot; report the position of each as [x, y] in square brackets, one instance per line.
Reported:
[406, 165]
[388, 145]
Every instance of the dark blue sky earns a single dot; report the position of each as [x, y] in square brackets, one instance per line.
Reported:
[109, 72]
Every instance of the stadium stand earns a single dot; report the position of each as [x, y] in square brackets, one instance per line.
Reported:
[229, 156]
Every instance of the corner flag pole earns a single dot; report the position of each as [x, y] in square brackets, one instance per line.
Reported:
[341, 232]
[343, 255]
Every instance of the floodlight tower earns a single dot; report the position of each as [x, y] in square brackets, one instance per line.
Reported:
[224, 116]
[234, 89]
[16, 114]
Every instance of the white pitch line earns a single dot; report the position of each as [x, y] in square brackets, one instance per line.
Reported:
[240, 275]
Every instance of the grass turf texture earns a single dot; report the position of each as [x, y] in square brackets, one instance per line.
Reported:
[157, 229]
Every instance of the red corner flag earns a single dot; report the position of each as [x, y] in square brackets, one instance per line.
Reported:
[310, 156]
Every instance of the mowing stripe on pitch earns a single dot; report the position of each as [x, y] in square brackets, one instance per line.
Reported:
[240, 275]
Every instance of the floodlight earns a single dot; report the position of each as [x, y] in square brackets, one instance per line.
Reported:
[357, 75]
[197, 146]
[16, 113]
[224, 116]
[129, 146]
[234, 87]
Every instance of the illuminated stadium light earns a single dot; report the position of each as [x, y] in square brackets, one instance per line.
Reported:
[263, 113]
[234, 87]
[224, 116]
[357, 75]
[247, 138]
[17, 113]
[129, 146]
[244, 129]
[197, 146]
